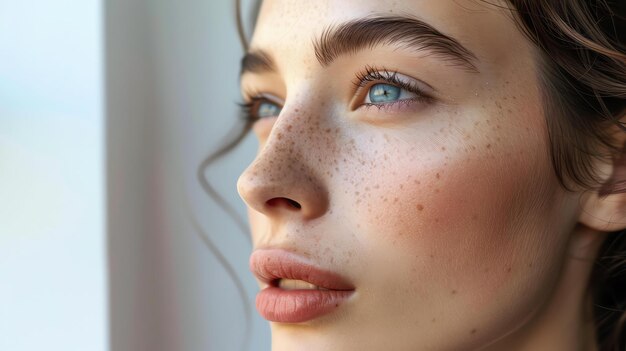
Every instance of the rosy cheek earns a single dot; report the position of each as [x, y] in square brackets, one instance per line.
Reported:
[455, 211]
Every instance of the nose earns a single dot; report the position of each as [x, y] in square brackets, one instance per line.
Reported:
[285, 178]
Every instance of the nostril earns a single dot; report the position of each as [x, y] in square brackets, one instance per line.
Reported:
[294, 204]
[282, 201]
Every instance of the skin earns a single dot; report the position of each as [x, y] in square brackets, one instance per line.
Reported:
[446, 214]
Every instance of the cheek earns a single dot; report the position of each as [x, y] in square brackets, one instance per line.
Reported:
[475, 220]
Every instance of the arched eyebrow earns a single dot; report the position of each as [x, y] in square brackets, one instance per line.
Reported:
[257, 61]
[366, 33]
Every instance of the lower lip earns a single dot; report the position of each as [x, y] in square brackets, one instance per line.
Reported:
[297, 306]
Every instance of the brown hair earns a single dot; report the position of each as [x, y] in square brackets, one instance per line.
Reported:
[582, 48]
[582, 54]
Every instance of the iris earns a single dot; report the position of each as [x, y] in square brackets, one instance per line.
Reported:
[268, 109]
[384, 93]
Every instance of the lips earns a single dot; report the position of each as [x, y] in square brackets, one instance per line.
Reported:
[284, 299]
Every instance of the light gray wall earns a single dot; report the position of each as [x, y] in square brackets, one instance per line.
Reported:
[171, 72]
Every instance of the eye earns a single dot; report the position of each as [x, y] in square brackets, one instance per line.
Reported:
[383, 93]
[268, 109]
[389, 90]
[260, 107]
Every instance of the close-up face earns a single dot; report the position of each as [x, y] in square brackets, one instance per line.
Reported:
[404, 154]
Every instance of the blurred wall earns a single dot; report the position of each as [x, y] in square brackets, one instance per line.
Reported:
[52, 244]
[172, 85]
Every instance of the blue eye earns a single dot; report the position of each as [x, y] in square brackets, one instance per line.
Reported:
[382, 93]
[267, 109]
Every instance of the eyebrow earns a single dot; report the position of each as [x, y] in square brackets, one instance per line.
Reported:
[257, 61]
[366, 33]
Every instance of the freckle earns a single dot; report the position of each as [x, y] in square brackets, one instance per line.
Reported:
[436, 220]
[433, 320]
[508, 270]
[280, 136]
[473, 147]
[328, 130]
[474, 217]
[488, 146]
[438, 176]
[530, 264]
[453, 292]
[473, 331]
[432, 256]
[437, 190]
[420, 207]
[336, 305]
[443, 148]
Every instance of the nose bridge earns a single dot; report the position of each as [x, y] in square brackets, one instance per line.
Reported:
[288, 167]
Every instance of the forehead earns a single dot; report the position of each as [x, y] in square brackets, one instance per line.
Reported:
[287, 29]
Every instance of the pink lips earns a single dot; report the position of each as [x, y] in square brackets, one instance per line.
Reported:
[295, 306]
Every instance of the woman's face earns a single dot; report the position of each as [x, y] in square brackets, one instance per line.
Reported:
[411, 159]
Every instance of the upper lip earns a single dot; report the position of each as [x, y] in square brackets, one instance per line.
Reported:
[270, 265]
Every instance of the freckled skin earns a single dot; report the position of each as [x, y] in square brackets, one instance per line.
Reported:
[448, 217]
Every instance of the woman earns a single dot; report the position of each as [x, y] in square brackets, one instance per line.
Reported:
[438, 175]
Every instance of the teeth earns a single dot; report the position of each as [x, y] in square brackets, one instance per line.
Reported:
[291, 284]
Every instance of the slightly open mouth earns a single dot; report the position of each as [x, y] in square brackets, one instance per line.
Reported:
[294, 284]
[296, 291]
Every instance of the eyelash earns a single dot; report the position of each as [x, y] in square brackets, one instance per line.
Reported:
[363, 80]
[245, 109]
